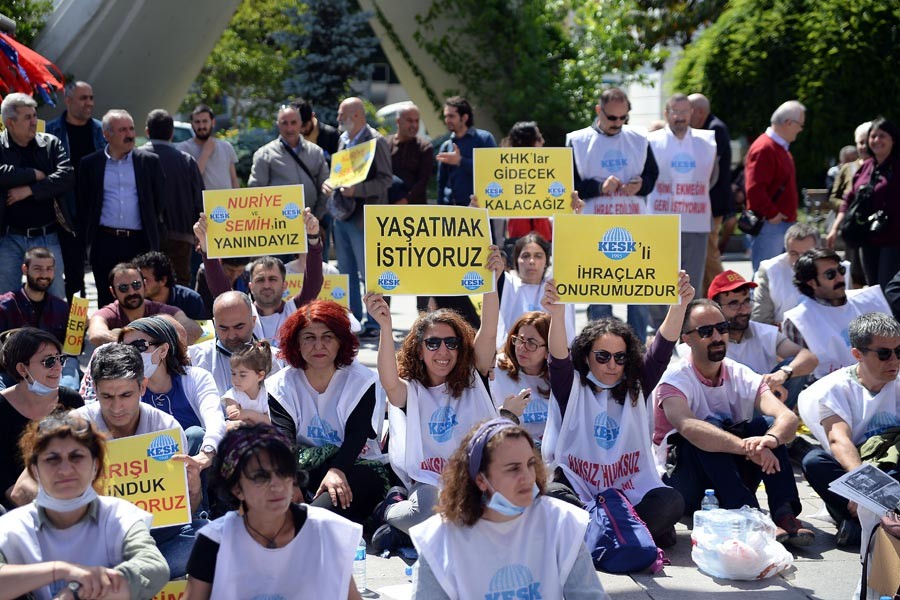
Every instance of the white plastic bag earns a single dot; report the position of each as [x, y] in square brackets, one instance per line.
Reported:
[737, 544]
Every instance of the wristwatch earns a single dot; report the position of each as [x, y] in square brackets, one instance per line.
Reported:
[74, 587]
[788, 370]
[208, 449]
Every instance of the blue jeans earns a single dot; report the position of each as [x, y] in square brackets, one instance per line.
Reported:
[350, 247]
[175, 543]
[638, 316]
[12, 256]
[768, 243]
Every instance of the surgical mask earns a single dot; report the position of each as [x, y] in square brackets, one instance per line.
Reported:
[46, 501]
[149, 367]
[502, 505]
[36, 387]
[605, 386]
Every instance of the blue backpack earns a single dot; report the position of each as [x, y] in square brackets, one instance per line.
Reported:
[617, 538]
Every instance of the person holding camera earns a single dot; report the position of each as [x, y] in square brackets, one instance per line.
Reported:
[871, 209]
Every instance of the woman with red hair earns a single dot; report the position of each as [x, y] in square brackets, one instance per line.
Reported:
[324, 400]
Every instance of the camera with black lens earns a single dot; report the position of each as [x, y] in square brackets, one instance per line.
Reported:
[877, 221]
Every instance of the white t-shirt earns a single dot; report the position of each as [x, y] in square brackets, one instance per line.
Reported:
[259, 404]
[268, 327]
[519, 298]
[151, 420]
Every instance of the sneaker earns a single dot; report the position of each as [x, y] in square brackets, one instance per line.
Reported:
[394, 495]
[790, 531]
[849, 533]
[387, 538]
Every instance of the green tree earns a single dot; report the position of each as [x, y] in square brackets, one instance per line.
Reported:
[242, 77]
[29, 16]
[836, 57]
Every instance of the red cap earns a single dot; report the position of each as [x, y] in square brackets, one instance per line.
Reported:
[727, 281]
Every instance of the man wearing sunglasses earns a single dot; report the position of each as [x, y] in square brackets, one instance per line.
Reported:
[821, 319]
[705, 422]
[127, 287]
[614, 171]
[848, 408]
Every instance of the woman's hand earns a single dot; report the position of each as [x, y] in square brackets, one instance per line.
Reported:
[200, 231]
[516, 403]
[550, 301]
[577, 203]
[311, 222]
[378, 309]
[473, 201]
[95, 582]
[495, 261]
[686, 291]
[335, 484]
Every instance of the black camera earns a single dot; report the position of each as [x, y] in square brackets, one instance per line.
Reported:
[877, 221]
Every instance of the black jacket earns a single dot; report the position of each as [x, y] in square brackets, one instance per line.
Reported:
[183, 196]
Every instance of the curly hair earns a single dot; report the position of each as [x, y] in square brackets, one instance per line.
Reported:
[334, 316]
[581, 354]
[460, 500]
[412, 368]
[62, 424]
[508, 362]
[805, 268]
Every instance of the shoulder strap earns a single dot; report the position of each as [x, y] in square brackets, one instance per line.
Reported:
[297, 160]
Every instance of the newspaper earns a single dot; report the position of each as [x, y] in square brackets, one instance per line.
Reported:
[869, 487]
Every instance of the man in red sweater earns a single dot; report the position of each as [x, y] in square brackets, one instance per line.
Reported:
[771, 180]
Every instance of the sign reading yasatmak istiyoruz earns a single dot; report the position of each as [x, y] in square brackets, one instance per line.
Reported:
[617, 260]
[524, 182]
[427, 250]
[257, 221]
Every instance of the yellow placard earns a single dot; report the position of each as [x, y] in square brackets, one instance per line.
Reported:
[351, 166]
[477, 301]
[140, 469]
[174, 590]
[334, 287]
[208, 331]
[617, 260]
[257, 221]
[76, 326]
[41, 126]
[427, 250]
[524, 182]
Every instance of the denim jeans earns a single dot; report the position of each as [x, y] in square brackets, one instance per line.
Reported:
[350, 247]
[12, 256]
[638, 316]
[175, 542]
[768, 243]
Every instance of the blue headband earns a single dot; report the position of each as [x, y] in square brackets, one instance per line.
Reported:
[475, 447]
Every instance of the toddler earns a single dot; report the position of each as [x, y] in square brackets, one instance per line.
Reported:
[247, 400]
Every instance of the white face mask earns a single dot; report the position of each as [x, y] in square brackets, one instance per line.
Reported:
[149, 366]
[46, 501]
[605, 386]
[36, 387]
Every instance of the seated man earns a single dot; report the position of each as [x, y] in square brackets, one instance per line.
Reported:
[160, 286]
[820, 321]
[783, 364]
[704, 419]
[849, 407]
[127, 286]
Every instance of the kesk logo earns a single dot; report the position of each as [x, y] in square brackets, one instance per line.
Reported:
[338, 293]
[616, 244]
[493, 189]
[388, 280]
[513, 581]
[606, 431]
[472, 281]
[319, 430]
[441, 424]
[291, 211]
[556, 189]
[880, 423]
[613, 161]
[219, 214]
[536, 411]
[162, 448]
[683, 163]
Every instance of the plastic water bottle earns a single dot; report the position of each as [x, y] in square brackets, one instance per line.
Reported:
[359, 566]
[709, 501]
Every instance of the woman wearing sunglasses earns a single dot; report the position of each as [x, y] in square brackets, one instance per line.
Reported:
[72, 543]
[598, 433]
[437, 389]
[33, 358]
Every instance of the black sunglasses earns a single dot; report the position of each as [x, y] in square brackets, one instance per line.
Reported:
[705, 331]
[135, 285]
[142, 345]
[613, 117]
[51, 361]
[883, 354]
[433, 343]
[830, 274]
[603, 356]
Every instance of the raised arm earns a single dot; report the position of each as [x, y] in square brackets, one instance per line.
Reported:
[486, 337]
[557, 338]
[671, 326]
[312, 275]
[394, 387]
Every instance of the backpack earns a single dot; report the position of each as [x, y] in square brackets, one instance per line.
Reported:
[617, 538]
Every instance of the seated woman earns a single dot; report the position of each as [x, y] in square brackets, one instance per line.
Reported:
[70, 542]
[599, 422]
[437, 389]
[267, 546]
[32, 358]
[521, 382]
[496, 535]
[323, 401]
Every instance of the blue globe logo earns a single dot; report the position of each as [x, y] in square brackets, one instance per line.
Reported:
[320, 431]
[219, 214]
[880, 423]
[613, 161]
[291, 211]
[536, 411]
[617, 244]
[338, 293]
[493, 189]
[162, 448]
[472, 281]
[337, 168]
[606, 431]
[441, 424]
[556, 189]
[683, 163]
[388, 280]
[513, 581]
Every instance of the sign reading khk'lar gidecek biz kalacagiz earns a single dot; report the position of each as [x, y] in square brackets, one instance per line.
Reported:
[257, 221]
[427, 250]
[524, 182]
[617, 260]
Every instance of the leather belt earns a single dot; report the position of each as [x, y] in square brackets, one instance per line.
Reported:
[119, 233]
[31, 232]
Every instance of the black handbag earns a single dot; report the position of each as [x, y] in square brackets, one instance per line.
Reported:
[751, 223]
[860, 221]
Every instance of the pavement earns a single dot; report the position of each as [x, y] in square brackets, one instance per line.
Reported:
[820, 571]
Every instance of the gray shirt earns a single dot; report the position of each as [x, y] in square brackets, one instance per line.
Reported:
[273, 165]
[217, 174]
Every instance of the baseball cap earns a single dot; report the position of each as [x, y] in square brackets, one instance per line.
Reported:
[727, 281]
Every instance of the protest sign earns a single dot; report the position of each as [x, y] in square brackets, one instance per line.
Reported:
[617, 260]
[140, 469]
[76, 326]
[334, 287]
[427, 250]
[255, 221]
[174, 590]
[351, 166]
[524, 182]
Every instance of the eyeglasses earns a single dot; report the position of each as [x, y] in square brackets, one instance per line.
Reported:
[135, 285]
[705, 331]
[50, 361]
[59, 420]
[736, 304]
[263, 478]
[883, 354]
[530, 344]
[142, 345]
[614, 117]
[433, 343]
[603, 356]
[830, 274]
